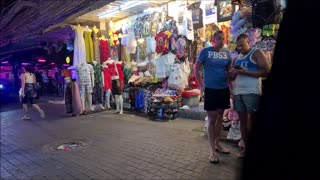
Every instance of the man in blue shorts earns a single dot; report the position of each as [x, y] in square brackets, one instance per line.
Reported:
[248, 68]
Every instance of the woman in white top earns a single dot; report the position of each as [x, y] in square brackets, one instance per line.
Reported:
[28, 92]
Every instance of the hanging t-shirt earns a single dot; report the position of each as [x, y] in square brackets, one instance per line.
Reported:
[209, 12]
[151, 45]
[98, 69]
[160, 40]
[188, 25]
[84, 71]
[197, 15]
[107, 78]
[146, 28]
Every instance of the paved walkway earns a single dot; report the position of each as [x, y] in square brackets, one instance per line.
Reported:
[115, 147]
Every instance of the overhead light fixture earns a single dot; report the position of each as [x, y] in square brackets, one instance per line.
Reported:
[130, 5]
[151, 10]
[108, 14]
[4, 62]
[41, 60]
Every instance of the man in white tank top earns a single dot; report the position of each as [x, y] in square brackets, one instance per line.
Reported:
[248, 68]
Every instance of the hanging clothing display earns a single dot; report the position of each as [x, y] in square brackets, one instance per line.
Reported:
[151, 45]
[210, 14]
[89, 46]
[104, 50]
[132, 42]
[76, 99]
[97, 97]
[97, 94]
[188, 25]
[197, 15]
[79, 52]
[107, 78]
[85, 71]
[96, 46]
[125, 56]
[68, 97]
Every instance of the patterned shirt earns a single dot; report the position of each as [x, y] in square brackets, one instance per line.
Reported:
[84, 72]
[98, 69]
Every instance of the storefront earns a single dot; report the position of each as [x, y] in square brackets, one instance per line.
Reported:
[145, 61]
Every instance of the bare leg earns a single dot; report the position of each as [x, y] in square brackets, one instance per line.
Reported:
[212, 118]
[217, 130]
[243, 117]
[37, 107]
[25, 109]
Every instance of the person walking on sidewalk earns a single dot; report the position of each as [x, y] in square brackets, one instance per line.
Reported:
[249, 67]
[28, 92]
[216, 63]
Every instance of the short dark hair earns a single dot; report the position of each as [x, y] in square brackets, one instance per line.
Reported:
[217, 32]
[242, 36]
[29, 69]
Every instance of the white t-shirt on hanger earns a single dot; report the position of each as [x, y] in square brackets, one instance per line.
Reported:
[188, 25]
[210, 12]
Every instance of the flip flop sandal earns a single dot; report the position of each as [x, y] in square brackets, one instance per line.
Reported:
[214, 160]
[221, 151]
[241, 155]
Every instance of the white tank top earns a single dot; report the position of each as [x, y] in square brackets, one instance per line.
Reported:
[29, 78]
[245, 84]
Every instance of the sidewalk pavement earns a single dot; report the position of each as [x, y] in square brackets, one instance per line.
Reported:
[114, 147]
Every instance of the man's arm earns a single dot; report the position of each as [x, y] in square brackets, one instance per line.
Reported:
[196, 72]
[263, 66]
[232, 73]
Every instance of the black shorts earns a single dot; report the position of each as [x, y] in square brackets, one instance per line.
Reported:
[29, 94]
[215, 99]
[26, 99]
[116, 87]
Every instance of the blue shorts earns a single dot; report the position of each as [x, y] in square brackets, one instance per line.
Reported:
[246, 102]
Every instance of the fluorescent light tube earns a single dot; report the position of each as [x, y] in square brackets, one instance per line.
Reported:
[127, 6]
[109, 14]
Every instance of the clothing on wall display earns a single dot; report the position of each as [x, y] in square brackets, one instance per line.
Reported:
[76, 99]
[85, 71]
[151, 45]
[98, 87]
[184, 24]
[89, 46]
[107, 78]
[79, 52]
[104, 50]
[68, 97]
[132, 42]
[209, 12]
[97, 95]
[197, 15]
[96, 46]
